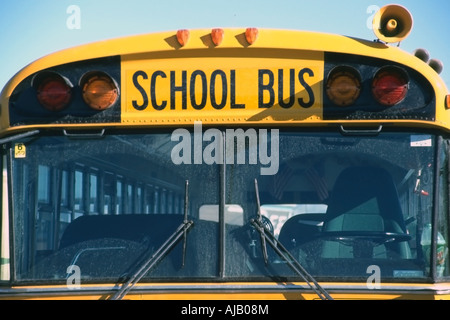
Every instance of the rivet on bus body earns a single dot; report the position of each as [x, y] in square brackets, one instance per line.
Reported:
[183, 37]
[217, 35]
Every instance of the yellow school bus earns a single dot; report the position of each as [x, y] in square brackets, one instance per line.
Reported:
[240, 163]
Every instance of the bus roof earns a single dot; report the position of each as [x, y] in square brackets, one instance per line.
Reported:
[199, 44]
[234, 38]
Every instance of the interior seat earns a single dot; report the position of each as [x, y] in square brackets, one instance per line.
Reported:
[300, 229]
[365, 201]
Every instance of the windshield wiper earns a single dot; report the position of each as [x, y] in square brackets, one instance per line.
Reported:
[258, 223]
[19, 136]
[268, 237]
[155, 258]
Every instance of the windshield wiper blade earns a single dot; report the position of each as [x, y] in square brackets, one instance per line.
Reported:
[155, 258]
[268, 237]
[260, 226]
[292, 262]
[185, 221]
[19, 136]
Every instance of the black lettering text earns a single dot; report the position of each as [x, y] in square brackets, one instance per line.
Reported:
[141, 90]
[268, 87]
[234, 105]
[307, 87]
[291, 101]
[153, 90]
[182, 88]
[223, 101]
[194, 75]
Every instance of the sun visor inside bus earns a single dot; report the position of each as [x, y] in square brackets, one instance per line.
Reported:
[69, 94]
[372, 79]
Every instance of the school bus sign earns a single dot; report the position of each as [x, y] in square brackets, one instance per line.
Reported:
[221, 88]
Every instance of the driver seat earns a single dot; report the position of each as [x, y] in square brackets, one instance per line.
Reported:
[365, 199]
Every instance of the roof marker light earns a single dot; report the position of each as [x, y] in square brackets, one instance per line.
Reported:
[217, 35]
[436, 65]
[251, 34]
[447, 101]
[183, 37]
[422, 54]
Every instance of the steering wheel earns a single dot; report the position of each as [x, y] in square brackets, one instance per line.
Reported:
[375, 237]
[364, 242]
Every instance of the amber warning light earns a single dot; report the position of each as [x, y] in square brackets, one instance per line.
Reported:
[99, 90]
[343, 86]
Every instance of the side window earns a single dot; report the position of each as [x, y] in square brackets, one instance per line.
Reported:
[45, 219]
[44, 184]
[79, 192]
[5, 244]
[119, 197]
[442, 261]
[93, 193]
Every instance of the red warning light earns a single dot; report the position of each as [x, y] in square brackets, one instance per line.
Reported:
[390, 86]
[53, 91]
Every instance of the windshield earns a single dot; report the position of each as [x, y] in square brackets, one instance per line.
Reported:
[340, 205]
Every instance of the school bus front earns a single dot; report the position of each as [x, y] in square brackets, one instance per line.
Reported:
[226, 164]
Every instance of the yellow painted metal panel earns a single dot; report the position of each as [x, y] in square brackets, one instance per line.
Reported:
[229, 291]
[223, 88]
[273, 50]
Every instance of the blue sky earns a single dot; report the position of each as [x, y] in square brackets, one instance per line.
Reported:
[31, 29]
